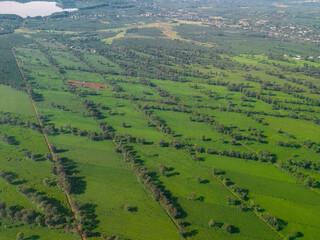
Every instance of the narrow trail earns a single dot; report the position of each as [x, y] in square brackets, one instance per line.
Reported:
[48, 144]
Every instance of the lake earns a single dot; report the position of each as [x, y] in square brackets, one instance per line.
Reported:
[31, 9]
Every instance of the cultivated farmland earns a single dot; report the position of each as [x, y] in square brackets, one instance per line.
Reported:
[156, 132]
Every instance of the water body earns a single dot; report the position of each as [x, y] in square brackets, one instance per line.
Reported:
[31, 9]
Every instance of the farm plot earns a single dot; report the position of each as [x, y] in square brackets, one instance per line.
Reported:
[28, 188]
[169, 141]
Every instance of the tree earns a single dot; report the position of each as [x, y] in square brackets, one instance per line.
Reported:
[233, 141]
[28, 154]
[127, 207]
[3, 205]
[196, 148]
[20, 236]
[53, 148]
[198, 178]
[227, 227]
[162, 169]
[192, 196]
[161, 143]
[9, 178]
[40, 220]
[203, 137]
[212, 223]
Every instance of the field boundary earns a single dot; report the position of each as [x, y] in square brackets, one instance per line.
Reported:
[99, 75]
[212, 175]
[48, 144]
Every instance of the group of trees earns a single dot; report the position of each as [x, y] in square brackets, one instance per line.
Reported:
[263, 156]
[226, 226]
[271, 220]
[313, 145]
[9, 72]
[156, 189]
[305, 164]
[6, 139]
[9, 177]
[55, 214]
[162, 107]
[50, 129]
[291, 144]
[30, 155]
[161, 125]
[86, 217]
[92, 108]
[19, 214]
[295, 167]
[255, 135]
[278, 105]
[241, 193]
[60, 106]
[15, 121]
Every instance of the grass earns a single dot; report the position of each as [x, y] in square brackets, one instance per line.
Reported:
[104, 171]
[106, 183]
[11, 101]
[30, 173]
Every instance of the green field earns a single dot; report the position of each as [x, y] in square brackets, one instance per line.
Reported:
[197, 128]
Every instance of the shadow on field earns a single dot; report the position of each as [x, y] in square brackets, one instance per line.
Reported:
[33, 237]
[297, 235]
[91, 221]
[234, 229]
[39, 158]
[282, 224]
[170, 172]
[45, 119]
[137, 158]
[19, 182]
[191, 233]
[78, 185]
[11, 177]
[13, 141]
[61, 150]
[205, 181]
[38, 97]
[174, 200]
[200, 199]
[55, 202]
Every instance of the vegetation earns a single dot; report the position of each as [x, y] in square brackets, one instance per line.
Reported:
[131, 120]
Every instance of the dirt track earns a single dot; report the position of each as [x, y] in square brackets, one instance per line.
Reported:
[87, 85]
[48, 144]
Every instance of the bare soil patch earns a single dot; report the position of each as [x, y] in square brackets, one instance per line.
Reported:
[87, 85]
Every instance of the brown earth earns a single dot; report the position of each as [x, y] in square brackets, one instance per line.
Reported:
[87, 84]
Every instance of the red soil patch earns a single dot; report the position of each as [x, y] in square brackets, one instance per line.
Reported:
[87, 85]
